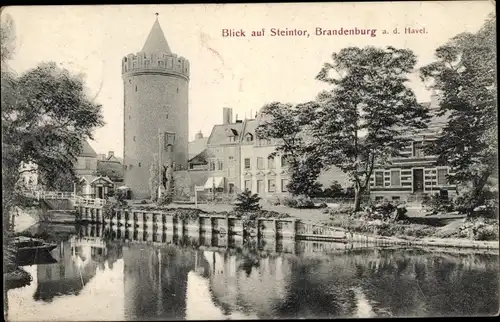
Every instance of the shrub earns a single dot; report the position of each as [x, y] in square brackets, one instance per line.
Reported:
[300, 201]
[165, 199]
[323, 205]
[144, 202]
[436, 203]
[246, 201]
[479, 229]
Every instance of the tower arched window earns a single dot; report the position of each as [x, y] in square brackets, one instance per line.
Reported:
[249, 137]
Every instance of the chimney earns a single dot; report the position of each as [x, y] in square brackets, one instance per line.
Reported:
[198, 135]
[111, 154]
[227, 115]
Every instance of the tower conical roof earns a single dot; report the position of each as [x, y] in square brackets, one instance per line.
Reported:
[156, 41]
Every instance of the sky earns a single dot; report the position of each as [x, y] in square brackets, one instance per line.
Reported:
[243, 73]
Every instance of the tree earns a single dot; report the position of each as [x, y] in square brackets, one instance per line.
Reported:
[361, 121]
[154, 178]
[288, 124]
[464, 73]
[45, 120]
[246, 201]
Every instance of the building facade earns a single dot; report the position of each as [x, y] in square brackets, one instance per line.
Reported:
[415, 173]
[223, 155]
[262, 173]
[156, 88]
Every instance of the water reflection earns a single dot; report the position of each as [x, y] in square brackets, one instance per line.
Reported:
[201, 277]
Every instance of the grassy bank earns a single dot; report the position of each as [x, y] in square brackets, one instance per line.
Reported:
[478, 229]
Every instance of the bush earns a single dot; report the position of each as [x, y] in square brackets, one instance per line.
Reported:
[300, 201]
[246, 201]
[165, 199]
[436, 204]
[479, 229]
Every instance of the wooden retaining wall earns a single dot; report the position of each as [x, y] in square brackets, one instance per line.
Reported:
[157, 221]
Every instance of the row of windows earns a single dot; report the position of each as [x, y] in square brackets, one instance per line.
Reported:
[271, 185]
[270, 163]
[395, 177]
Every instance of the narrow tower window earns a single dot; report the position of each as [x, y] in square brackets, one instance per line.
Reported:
[129, 117]
[177, 90]
[134, 138]
[136, 88]
[139, 164]
[167, 116]
[130, 81]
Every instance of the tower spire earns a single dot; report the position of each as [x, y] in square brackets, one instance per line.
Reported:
[156, 41]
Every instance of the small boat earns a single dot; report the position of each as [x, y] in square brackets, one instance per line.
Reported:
[31, 246]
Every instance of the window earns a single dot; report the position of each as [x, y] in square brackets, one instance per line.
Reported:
[249, 137]
[136, 88]
[379, 178]
[284, 184]
[133, 138]
[395, 177]
[284, 161]
[220, 165]
[166, 116]
[231, 188]
[231, 158]
[139, 164]
[418, 149]
[270, 162]
[260, 163]
[212, 165]
[248, 185]
[231, 139]
[129, 117]
[87, 163]
[379, 198]
[177, 90]
[247, 163]
[441, 176]
[260, 186]
[271, 185]
[396, 198]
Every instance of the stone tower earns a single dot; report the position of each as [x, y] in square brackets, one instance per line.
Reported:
[155, 85]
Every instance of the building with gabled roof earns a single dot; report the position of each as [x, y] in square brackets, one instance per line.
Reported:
[415, 173]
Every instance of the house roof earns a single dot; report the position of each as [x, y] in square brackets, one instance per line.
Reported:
[249, 127]
[87, 150]
[221, 133]
[200, 158]
[196, 147]
[111, 169]
[156, 41]
[91, 179]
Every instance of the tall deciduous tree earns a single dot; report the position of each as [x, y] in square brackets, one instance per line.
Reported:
[367, 116]
[288, 125]
[465, 75]
[45, 121]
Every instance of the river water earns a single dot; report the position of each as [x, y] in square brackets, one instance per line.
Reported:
[108, 278]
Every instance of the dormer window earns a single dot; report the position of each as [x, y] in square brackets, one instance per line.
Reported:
[249, 137]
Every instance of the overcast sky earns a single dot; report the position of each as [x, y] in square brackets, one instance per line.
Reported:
[243, 73]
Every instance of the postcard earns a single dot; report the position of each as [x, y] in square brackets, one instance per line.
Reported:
[250, 161]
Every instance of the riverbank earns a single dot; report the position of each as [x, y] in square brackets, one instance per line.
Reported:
[457, 233]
